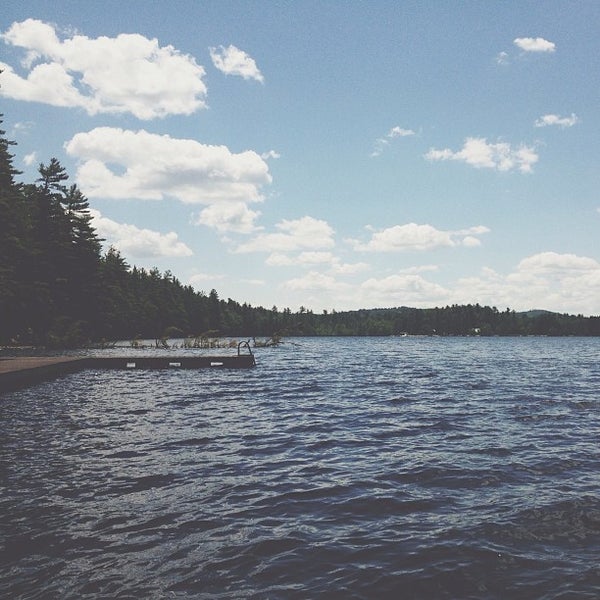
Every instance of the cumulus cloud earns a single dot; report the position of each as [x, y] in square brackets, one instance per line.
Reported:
[471, 242]
[226, 217]
[126, 74]
[306, 233]
[552, 262]
[419, 237]
[117, 163]
[330, 261]
[538, 44]
[305, 243]
[341, 268]
[136, 242]
[201, 281]
[394, 132]
[478, 153]
[548, 280]
[557, 120]
[402, 290]
[278, 259]
[318, 288]
[233, 61]
[418, 269]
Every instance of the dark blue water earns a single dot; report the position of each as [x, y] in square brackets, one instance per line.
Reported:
[338, 468]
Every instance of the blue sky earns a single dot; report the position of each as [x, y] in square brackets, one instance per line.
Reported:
[331, 155]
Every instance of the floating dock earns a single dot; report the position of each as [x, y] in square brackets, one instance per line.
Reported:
[24, 371]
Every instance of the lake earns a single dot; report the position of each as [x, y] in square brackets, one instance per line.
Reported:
[413, 467]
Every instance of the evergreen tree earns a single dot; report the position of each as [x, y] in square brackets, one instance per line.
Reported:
[214, 311]
[12, 240]
[81, 255]
[116, 319]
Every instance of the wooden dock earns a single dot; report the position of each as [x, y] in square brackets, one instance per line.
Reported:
[24, 371]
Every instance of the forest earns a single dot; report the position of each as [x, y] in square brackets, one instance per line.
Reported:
[58, 289]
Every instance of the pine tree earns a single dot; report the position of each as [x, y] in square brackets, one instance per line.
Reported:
[12, 240]
[82, 255]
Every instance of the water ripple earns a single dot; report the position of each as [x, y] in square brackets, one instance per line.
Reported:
[342, 468]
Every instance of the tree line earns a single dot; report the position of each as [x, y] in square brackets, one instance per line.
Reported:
[470, 319]
[57, 287]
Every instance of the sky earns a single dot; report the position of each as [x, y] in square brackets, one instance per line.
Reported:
[328, 155]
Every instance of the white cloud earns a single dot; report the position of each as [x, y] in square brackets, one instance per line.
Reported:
[136, 242]
[312, 281]
[117, 163]
[37, 37]
[419, 269]
[548, 280]
[340, 268]
[471, 242]
[557, 120]
[333, 263]
[319, 289]
[29, 159]
[270, 154]
[419, 237]
[394, 132]
[478, 153]
[125, 74]
[233, 61]
[402, 290]
[534, 44]
[199, 281]
[293, 235]
[278, 259]
[228, 217]
[552, 262]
